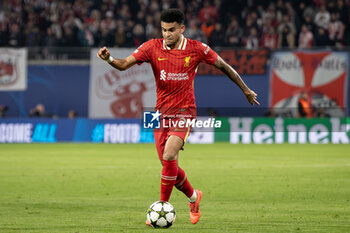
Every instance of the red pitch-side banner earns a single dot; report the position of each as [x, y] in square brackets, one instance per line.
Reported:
[119, 94]
[322, 75]
[243, 61]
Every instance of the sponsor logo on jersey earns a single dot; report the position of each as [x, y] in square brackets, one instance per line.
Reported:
[162, 75]
[177, 76]
[173, 76]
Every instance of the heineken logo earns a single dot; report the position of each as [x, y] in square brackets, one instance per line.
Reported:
[289, 130]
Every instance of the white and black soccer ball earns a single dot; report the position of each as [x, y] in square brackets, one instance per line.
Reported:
[161, 214]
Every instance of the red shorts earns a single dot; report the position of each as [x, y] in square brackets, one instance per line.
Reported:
[162, 135]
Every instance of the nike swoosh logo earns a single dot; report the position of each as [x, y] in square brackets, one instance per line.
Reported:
[162, 59]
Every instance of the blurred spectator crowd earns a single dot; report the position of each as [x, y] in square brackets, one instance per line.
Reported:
[123, 23]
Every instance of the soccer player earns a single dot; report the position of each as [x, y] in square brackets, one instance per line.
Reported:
[174, 60]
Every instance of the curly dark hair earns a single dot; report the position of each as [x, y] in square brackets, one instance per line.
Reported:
[172, 15]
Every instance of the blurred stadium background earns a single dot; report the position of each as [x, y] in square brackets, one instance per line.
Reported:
[281, 48]
[294, 54]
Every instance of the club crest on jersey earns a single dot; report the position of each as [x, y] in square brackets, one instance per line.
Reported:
[187, 61]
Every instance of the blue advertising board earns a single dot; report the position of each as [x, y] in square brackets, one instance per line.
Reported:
[41, 130]
[234, 130]
[60, 88]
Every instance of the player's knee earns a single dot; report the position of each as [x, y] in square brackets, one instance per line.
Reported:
[169, 155]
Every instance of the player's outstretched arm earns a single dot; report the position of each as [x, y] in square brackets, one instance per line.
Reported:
[236, 78]
[120, 64]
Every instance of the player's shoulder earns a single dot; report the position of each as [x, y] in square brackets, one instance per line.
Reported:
[156, 42]
[151, 43]
[195, 44]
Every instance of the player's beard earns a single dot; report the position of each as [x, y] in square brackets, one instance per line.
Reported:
[174, 42]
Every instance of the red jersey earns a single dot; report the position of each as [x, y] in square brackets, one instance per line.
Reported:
[174, 71]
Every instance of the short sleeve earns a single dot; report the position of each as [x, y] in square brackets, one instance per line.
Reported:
[142, 53]
[207, 55]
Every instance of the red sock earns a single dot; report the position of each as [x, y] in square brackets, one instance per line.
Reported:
[183, 184]
[168, 179]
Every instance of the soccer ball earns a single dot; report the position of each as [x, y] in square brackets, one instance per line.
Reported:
[161, 214]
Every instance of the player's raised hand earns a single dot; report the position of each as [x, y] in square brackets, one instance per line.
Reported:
[103, 53]
[251, 97]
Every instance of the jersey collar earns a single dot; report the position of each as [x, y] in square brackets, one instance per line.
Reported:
[182, 45]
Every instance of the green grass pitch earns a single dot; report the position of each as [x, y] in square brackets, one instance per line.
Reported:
[108, 188]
